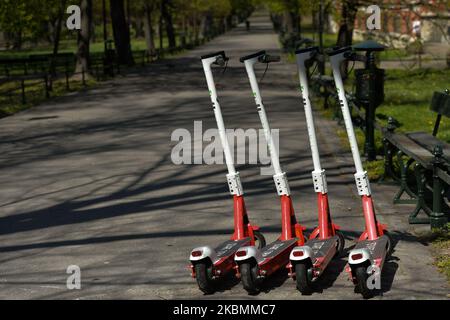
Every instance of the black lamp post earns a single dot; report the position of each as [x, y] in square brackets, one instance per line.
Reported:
[369, 91]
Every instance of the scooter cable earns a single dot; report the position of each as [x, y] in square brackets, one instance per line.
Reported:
[264, 74]
[314, 70]
[225, 67]
[353, 66]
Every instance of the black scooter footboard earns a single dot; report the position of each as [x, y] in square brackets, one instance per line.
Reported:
[377, 248]
[322, 248]
[276, 247]
[231, 246]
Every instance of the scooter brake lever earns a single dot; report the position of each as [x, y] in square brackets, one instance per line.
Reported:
[221, 61]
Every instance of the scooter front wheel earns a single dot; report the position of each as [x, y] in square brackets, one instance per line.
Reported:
[259, 238]
[249, 277]
[303, 278]
[203, 274]
[361, 282]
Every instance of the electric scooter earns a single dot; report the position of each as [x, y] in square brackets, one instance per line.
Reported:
[374, 245]
[254, 265]
[308, 262]
[210, 264]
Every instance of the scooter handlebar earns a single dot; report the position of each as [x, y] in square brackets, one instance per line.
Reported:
[267, 58]
[253, 55]
[335, 51]
[348, 54]
[262, 57]
[314, 54]
[221, 57]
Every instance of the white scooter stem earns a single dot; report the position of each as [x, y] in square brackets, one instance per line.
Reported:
[233, 177]
[362, 180]
[319, 177]
[280, 178]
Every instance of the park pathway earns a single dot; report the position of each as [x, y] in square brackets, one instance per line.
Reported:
[88, 180]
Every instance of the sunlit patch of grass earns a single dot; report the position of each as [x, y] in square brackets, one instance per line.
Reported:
[70, 46]
[440, 241]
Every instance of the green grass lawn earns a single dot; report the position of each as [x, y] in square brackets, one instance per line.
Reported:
[407, 98]
[11, 103]
[70, 46]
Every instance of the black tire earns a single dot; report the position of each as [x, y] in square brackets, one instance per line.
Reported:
[303, 278]
[203, 274]
[259, 238]
[390, 244]
[361, 282]
[340, 245]
[249, 277]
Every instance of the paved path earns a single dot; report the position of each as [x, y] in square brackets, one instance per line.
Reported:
[88, 180]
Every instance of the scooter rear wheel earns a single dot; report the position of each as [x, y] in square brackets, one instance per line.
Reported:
[390, 244]
[259, 238]
[361, 282]
[303, 278]
[340, 244]
[203, 274]
[249, 277]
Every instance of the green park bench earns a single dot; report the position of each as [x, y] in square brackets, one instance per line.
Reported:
[35, 64]
[431, 159]
[20, 66]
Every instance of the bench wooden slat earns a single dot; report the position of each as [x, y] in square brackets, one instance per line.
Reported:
[410, 148]
[429, 141]
[443, 175]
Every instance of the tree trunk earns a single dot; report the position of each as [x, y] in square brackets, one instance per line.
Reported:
[57, 31]
[15, 40]
[148, 27]
[167, 16]
[93, 33]
[84, 36]
[345, 34]
[288, 23]
[49, 28]
[161, 32]
[202, 27]
[184, 31]
[327, 20]
[207, 26]
[121, 32]
[195, 27]
[229, 22]
[139, 28]
[277, 22]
